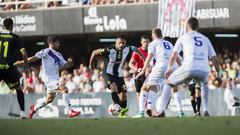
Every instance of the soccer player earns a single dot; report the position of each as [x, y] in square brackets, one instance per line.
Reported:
[136, 63]
[10, 46]
[195, 93]
[52, 62]
[160, 50]
[197, 49]
[116, 56]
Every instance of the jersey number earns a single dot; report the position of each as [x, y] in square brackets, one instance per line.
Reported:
[5, 48]
[166, 45]
[198, 41]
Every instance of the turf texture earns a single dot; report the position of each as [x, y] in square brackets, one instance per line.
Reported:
[128, 126]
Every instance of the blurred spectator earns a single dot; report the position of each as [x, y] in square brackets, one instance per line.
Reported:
[4, 89]
[31, 4]
[229, 96]
[9, 7]
[77, 77]
[25, 5]
[70, 84]
[55, 3]
[86, 85]
[99, 85]
[23, 80]
[39, 86]
[231, 71]
[85, 2]
[96, 75]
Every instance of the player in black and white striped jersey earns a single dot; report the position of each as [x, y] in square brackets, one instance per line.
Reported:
[115, 57]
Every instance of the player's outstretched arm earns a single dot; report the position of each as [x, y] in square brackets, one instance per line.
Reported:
[30, 60]
[92, 58]
[131, 64]
[25, 59]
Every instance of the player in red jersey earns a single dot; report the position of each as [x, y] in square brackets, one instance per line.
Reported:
[136, 63]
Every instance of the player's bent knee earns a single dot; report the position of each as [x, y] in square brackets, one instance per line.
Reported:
[63, 89]
[113, 87]
[145, 87]
[198, 93]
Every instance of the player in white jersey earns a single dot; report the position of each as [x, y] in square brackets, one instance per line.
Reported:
[197, 49]
[52, 62]
[160, 50]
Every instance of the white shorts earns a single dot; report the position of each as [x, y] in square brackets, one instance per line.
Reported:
[183, 75]
[52, 86]
[156, 77]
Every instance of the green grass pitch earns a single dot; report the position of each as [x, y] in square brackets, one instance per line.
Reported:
[128, 126]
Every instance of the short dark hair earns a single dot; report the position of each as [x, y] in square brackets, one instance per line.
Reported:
[144, 37]
[157, 32]
[53, 39]
[167, 38]
[8, 23]
[193, 23]
[121, 36]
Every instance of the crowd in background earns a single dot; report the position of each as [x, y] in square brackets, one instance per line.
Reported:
[59, 3]
[83, 80]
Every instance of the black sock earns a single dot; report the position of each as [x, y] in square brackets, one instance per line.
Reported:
[115, 98]
[124, 104]
[20, 98]
[194, 106]
[198, 103]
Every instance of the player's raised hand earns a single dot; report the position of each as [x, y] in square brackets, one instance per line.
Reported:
[70, 60]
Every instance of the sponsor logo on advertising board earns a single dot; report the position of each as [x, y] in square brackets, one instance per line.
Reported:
[104, 23]
[22, 23]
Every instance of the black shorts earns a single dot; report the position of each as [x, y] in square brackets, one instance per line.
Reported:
[192, 88]
[11, 77]
[119, 81]
[139, 82]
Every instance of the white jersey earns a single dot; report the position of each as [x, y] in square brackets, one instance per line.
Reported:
[197, 49]
[52, 61]
[161, 50]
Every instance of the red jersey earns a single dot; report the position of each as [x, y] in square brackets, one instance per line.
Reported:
[139, 62]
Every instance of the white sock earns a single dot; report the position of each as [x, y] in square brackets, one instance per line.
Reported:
[178, 98]
[205, 93]
[142, 100]
[41, 103]
[152, 99]
[149, 103]
[66, 101]
[166, 95]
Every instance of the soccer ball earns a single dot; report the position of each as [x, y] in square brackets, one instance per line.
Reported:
[114, 109]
